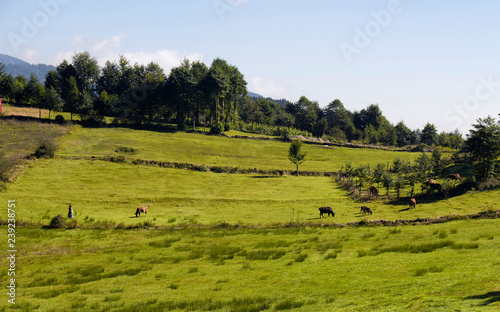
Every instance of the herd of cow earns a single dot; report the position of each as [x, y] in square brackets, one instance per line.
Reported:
[364, 210]
[433, 185]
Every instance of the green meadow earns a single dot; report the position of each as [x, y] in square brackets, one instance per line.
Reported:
[215, 150]
[446, 267]
[232, 242]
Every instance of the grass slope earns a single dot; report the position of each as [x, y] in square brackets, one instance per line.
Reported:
[101, 190]
[213, 150]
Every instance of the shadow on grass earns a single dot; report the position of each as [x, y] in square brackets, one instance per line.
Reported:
[422, 199]
[491, 297]
[266, 177]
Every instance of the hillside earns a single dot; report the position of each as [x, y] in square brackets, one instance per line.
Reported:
[15, 67]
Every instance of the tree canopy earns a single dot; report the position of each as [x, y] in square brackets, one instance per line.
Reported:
[483, 142]
[194, 93]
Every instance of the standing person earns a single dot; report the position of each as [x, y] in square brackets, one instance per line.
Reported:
[70, 212]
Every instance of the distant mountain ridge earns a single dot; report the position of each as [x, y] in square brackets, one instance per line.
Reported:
[10, 60]
[15, 67]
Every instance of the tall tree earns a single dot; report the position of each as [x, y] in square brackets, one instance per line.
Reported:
[18, 89]
[71, 96]
[199, 70]
[429, 134]
[403, 134]
[51, 100]
[181, 86]
[483, 142]
[87, 71]
[215, 86]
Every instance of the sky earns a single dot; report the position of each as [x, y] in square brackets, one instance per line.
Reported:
[420, 61]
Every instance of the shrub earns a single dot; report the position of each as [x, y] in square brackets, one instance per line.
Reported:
[46, 149]
[60, 119]
[217, 128]
[57, 222]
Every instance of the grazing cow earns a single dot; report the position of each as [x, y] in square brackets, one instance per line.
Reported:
[413, 203]
[373, 191]
[366, 210]
[327, 210]
[433, 185]
[454, 176]
[140, 210]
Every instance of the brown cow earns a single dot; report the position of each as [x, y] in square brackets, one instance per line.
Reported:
[413, 203]
[373, 191]
[143, 209]
[454, 176]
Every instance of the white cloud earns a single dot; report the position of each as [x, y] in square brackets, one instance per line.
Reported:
[266, 88]
[31, 56]
[110, 50]
[167, 59]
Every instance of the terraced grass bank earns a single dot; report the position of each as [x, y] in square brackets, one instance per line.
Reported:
[215, 150]
[408, 268]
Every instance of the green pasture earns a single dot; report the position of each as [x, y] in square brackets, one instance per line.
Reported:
[100, 190]
[443, 267]
[215, 150]
[231, 242]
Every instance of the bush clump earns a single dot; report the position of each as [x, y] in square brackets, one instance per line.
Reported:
[217, 128]
[57, 222]
[60, 119]
[46, 149]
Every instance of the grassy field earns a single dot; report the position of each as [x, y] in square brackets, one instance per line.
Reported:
[233, 242]
[22, 138]
[15, 110]
[215, 150]
[100, 190]
[445, 267]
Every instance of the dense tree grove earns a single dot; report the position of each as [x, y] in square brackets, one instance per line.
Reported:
[194, 94]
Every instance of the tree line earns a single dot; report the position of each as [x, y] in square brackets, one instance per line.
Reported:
[481, 151]
[199, 95]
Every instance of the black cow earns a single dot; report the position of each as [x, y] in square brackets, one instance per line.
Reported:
[373, 191]
[327, 210]
[366, 210]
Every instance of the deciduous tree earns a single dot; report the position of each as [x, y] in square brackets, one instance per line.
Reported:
[295, 153]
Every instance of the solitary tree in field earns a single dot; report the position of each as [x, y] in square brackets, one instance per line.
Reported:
[295, 153]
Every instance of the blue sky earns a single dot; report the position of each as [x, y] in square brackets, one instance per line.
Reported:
[420, 61]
